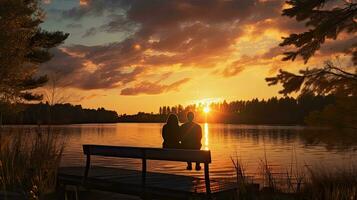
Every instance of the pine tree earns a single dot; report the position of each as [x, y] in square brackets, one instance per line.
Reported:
[324, 24]
[24, 46]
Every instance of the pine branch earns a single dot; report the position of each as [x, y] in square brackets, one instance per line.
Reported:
[325, 27]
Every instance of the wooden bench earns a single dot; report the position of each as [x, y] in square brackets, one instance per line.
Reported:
[123, 181]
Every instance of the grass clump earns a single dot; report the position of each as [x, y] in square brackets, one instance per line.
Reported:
[304, 183]
[331, 184]
[29, 160]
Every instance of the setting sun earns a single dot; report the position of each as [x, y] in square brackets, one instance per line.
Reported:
[206, 109]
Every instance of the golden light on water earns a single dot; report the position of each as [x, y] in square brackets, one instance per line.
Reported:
[205, 131]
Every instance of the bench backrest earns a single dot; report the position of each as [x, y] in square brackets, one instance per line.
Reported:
[201, 156]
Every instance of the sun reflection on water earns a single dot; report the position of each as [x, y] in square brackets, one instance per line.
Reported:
[205, 131]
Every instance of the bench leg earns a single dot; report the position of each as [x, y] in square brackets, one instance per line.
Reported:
[71, 188]
[145, 196]
[207, 181]
[65, 195]
[76, 191]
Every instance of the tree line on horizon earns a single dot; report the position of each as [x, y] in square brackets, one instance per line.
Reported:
[44, 113]
[285, 110]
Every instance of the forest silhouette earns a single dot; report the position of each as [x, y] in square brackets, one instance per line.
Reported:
[279, 111]
[286, 110]
[44, 113]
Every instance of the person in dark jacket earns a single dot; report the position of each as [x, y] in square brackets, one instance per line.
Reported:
[171, 132]
[191, 135]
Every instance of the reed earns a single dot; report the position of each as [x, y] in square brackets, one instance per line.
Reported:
[331, 184]
[308, 183]
[29, 160]
[241, 177]
[269, 178]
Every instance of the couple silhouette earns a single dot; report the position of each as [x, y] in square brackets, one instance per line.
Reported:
[186, 136]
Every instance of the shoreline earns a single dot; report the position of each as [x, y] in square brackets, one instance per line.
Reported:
[154, 122]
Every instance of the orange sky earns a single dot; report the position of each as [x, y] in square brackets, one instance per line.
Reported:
[132, 55]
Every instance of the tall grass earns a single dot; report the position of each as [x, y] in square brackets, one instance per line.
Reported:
[29, 160]
[244, 182]
[315, 183]
[241, 177]
[331, 184]
[269, 178]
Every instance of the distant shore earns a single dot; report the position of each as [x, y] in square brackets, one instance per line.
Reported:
[273, 111]
[146, 122]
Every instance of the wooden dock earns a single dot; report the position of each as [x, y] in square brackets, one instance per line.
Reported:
[147, 185]
[157, 186]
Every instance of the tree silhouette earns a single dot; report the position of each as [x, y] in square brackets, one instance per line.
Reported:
[286, 110]
[322, 81]
[60, 114]
[324, 24]
[24, 46]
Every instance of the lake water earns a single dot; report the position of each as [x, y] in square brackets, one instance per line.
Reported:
[283, 146]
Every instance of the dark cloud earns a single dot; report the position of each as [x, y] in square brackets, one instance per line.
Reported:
[62, 63]
[76, 70]
[119, 23]
[274, 55]
[74, 25]
[97, 67]
[173, 11]
[90, 32]
[330, 47]
[160, 33]
[152, 88]
[275, 51]
[338, 46]
[116, 23]
[189, 33]
[241, 64]
[99, 79]
[93, 8]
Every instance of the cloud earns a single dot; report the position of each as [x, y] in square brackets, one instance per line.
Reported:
[74, 25]
[119, 23]
[241, 64]
[90, 32]
[84, 2]
[161, 33]
[343, 45]
[151, 88]
[91, 8]
[77, 70]
[116, 23]
[46, 1]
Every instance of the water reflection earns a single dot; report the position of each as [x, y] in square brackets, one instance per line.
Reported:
[206, 135]
[328, 147]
